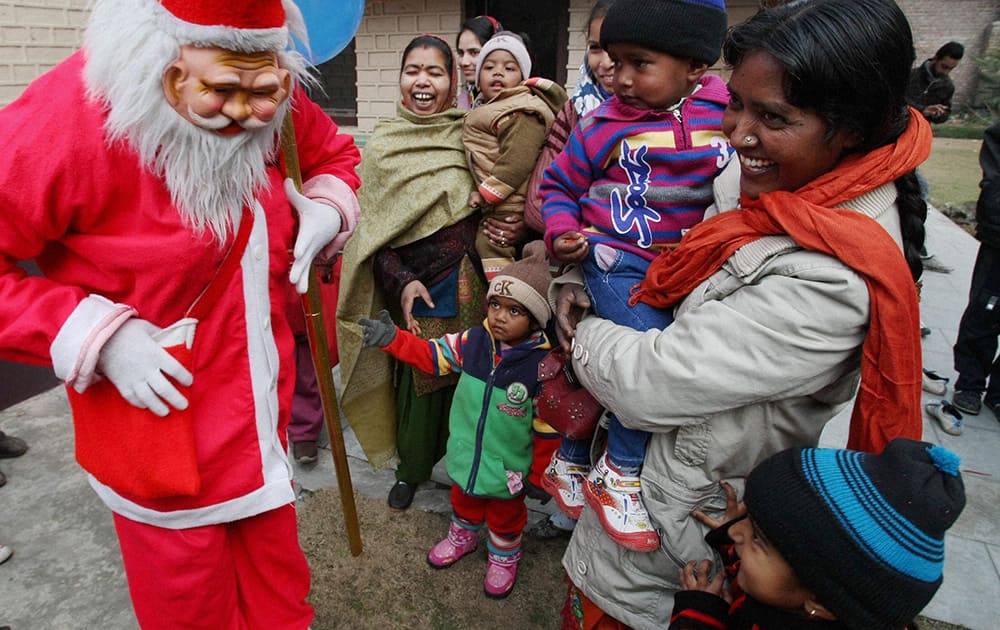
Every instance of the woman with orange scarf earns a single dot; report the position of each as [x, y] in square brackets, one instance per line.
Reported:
[798, 285]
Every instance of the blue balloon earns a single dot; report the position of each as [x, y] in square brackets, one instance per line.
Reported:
[331, 25]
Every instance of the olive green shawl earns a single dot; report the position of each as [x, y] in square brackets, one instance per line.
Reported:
[414, 181]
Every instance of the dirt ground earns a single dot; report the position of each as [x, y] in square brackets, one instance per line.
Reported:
[390, 585]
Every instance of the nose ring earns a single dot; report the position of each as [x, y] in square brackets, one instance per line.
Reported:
[748, 140]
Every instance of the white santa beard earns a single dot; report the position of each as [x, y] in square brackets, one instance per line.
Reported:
[210, 176]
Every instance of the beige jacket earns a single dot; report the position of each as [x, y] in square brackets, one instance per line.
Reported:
[504, 136]
[760, 356]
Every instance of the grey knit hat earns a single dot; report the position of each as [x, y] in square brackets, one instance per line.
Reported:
[512, 43]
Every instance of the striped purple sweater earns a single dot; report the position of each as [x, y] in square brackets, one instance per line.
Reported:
[637, 179]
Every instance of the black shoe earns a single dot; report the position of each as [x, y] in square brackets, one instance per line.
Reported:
[969, 402]
[3, 478]
[11, 446]
[534, 492]
[546, 530]
[994, 407]
[401, 495]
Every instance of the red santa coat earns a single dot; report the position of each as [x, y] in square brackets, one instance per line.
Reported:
[106, 237]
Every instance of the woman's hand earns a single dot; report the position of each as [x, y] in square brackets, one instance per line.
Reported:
[734, 509]
[570, 247]
[570, 305]
[413, 290]
[694, 577]
[509, 231]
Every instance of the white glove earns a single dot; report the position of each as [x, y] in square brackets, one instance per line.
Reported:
[318, 224]
[138, 366]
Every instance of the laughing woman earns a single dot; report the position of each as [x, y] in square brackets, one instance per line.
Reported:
[800, 287]
[414, 254]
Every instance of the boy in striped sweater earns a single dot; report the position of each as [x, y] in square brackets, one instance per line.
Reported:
[634, 176]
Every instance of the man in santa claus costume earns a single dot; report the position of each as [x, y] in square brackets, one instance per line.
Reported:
[124, 172]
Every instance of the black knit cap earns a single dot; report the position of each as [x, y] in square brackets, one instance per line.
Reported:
[683, 28]
[864, 532]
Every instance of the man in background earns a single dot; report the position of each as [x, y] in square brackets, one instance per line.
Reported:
[930, 88]
[976, 347]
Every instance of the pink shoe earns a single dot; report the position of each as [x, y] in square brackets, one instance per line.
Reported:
[458, 543]
[564, 481]
[501, 573]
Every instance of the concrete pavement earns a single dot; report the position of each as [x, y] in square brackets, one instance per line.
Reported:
[66, 571]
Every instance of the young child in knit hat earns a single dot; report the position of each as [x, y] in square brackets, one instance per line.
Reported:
[828, 538]
[503, 134]
[490, 443]
[635, 174]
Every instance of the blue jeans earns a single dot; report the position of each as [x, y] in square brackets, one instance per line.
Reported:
[609, 275]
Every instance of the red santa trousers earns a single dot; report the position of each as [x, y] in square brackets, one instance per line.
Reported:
[249, 574]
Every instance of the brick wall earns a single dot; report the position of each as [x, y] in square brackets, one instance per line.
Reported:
[388, 26]
[35, 35]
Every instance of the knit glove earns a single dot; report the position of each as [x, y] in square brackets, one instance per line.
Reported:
[318, 224]
[138, 367]
[378, 332]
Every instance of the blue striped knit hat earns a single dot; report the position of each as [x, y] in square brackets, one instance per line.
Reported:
[687, 29]
[864, 532]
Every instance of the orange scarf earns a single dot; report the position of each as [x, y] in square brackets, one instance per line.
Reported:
[888, 402]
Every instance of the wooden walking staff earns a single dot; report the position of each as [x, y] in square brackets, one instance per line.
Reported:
[319, 348]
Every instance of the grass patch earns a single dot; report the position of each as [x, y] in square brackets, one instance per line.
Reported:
[953, 173]
[964, 131]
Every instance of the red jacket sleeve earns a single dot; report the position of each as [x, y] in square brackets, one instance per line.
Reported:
[412, 350]
[323, 150]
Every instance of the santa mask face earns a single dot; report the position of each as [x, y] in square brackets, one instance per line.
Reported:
[226, 92]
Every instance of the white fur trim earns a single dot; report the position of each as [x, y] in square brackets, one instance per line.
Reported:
[272, 495]
[78, 344]
[240, 40]
[332, 191]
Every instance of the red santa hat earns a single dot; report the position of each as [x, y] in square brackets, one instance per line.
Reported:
[241, 25]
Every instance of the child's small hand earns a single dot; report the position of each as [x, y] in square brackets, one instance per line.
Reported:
[734, 509]
[378, 332]
[570, 247]
[475, 199]
[694, 577]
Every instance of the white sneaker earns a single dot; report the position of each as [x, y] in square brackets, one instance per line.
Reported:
[5, 553]
[564, 481]
[934, 383]
[947, 416]
[617, 499]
